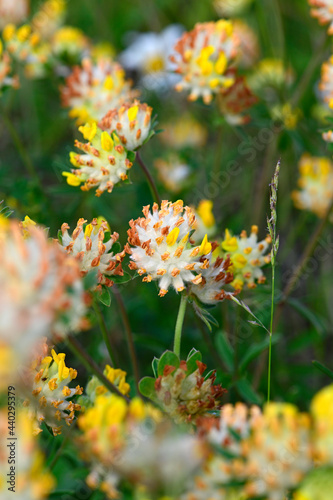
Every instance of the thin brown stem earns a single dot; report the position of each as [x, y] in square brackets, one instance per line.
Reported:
[150, 180]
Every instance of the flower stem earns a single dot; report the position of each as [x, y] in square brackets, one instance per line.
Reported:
[129, 335]
[150, 180]
[179, 324]
[91, 366]
[103, 329]
[270, 336]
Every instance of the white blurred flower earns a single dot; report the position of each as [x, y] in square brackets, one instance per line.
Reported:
[13, 11]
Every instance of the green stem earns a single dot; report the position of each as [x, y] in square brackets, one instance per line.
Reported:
[179, 324]
[103, 329]
[271, 333]
[150, 180]
[91, 366]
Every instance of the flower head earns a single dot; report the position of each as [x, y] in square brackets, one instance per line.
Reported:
[13, 12]
[94, 88]
[316, 185]
[69, 41]
[185, 132]
[230, 8]
[247, 257]
[203, 57]
[116, 376]
[49, 395]
[131, 122]
[88, 245]
[173, 172]
[323, 11]
[103, 164]
[325, 84]
[269, 73]
[6, 78]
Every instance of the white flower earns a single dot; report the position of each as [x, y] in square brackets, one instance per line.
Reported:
[323, 11]
[173, 172]
[149, 55]
[131, 122]
[13, 11]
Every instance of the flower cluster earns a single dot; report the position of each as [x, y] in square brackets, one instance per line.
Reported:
[104, 163]
[94, 388]
[13, 12]
[316, 185]
[323, 11]
[164, 251]
[6, 77]
[270, 73]
[325, 84]
[94, 88]
[48, 393]
[131, 122]
[203, 58]
[69, 41]
[247, 257]
[89, 246]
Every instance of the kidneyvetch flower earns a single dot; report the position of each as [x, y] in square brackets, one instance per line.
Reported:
[69, 41]
[94, 88]
[103, 164]
[48, 396]
[203, 57]
[13, 11]
[87, 244]
[247, 257]
[325, 84]
[131, 122]
[315, 183]
[323, 11]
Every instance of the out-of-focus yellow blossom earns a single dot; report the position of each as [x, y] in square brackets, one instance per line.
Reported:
[230, 8]
[94, 88]
[287, 115]
[6, 77]
[47, 390]
[318, 485]
[103, 164]
[131, 121]
[205, 221]
[32, 480]
[49, 18]
[173, 172]
[323, 11]
[315, 183]
[102, 49]
[13, 11]
[247, 257]
[322, 413]
[328, 136]
[7, 361]
[325, 84]
[183, 132]
[203, 58]
[248, 44]
[69, 41]
[115, 375]
[270, 73]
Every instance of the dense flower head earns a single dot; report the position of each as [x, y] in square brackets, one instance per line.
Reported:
[325, 84]
[103, 164]
[173, 172]
[203, 57]
[13, 12]
[270, 72]
[247, 257]
[230, 8]
[41, 291]
[94, 88]
[116, 376]
[47, 389]
[69, 41]
[131, 121]
[32, 479]
[185, 132]
[185, 394]
[49, 18]
[315, 183]
[323, 11]
[88, 245]
[6, 77]
[322, 413]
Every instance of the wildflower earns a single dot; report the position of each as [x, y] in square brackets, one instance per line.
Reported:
[328, 136]
[184, 132]
[173, 172]
[317, 485]
[41, 291]
[269, 74]
[230, 8]
[235, 100]
[315, 183]
[49, 18]
[32, 481]
[115, 375]
[322, 413]
[248, 44]
[203, 57]
[131, 122]
[287, 115]
[148, 54]
[13, 12]
[49, 395]
[6, 78]
[104, 163]
[69, 41]
[205, 221]
[89, 246]
[162, 246]
[322, 10]
[325, 85]
[94, 88]
[247, 257]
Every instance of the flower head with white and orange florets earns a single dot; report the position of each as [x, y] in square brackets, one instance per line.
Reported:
[323, 11]
[94, 88]
[164, 251]
[325, 84]
[87, 244]
[203, 58]
[131, 122]
[103, 164]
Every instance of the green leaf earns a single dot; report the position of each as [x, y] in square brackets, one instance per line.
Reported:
[192, 359]
[254, 351]
[245, 390]
[225, 349]
[105, 296]
[90, 279]
[154, 365]
[121, 279]
[323, 368]
[167, 358]
[308, 314]
[147, 388]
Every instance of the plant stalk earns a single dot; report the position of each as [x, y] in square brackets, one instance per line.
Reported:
[179, 324]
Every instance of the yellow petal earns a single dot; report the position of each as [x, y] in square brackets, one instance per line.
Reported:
[205, 246]
[106, 141]
[172, 237]
[132, 113]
